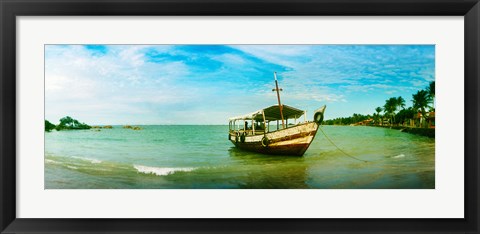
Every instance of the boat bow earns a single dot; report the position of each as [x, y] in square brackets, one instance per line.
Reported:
[319, 113]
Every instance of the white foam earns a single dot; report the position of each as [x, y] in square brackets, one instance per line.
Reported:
[399, 156]
[51, 161]
[160, 171]
[72, 167]
[91, 160]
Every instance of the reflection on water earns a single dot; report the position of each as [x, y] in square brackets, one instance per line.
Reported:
[278, 172]
[187, 157]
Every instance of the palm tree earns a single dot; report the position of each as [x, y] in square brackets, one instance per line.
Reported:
[390, 107]
[401, 102]
[431, 89]
[410, 113]
[378, 110]
[431, 93]
[420, 101]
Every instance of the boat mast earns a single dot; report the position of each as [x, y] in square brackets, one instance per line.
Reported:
[278, 97]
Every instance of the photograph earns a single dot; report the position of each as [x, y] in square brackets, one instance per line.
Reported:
[239, 116]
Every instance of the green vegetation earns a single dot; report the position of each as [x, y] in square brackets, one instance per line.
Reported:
[49, 126]
[420, 102]
[66, 123]
[431, 90]
[355, 118]
[395, 113]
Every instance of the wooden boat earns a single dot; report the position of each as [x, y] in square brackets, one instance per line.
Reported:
[253, 132]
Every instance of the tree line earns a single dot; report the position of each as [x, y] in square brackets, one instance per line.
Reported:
[395, 111]
[66, 123]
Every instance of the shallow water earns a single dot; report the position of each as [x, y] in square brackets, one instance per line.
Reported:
[195, 156]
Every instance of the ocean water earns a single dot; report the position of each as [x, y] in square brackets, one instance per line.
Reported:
[201, 157]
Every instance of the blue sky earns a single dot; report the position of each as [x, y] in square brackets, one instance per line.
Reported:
[207, 84]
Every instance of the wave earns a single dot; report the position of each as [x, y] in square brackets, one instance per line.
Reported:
[51, 161]
[161, 171]
[399, 156]
[91, 160]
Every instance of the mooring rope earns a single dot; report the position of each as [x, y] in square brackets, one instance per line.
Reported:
[339, 147]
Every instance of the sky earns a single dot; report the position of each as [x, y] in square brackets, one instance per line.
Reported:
[207, 84]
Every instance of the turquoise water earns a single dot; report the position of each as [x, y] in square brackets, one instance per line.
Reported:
[189, 157]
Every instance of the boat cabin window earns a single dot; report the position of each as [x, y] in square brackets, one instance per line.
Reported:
[259, 126]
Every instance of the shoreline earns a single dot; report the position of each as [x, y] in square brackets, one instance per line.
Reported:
[428, 132]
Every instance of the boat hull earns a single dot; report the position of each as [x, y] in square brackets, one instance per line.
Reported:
[290, 141]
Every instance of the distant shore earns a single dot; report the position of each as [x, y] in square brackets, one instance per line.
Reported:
[428, 132]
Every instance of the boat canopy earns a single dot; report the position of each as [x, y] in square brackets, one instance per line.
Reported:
[271, 113]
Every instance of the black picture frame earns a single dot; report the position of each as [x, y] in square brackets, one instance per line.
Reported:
[10, 9]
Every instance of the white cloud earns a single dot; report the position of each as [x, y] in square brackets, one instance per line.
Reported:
[277, 54]
[132, 55]
[112, 85]
[232, 59]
